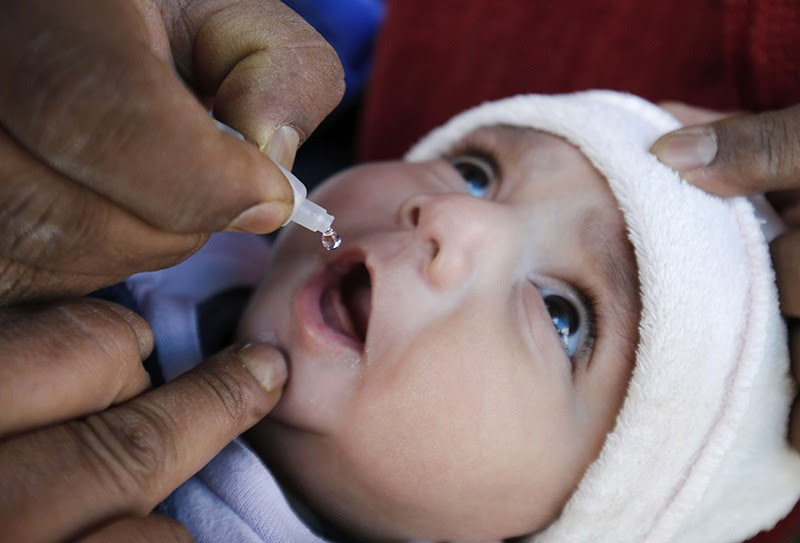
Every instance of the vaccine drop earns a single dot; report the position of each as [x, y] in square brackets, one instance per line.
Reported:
[331, 239]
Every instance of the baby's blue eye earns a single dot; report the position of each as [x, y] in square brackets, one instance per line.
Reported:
[478, 173]
[567, 320]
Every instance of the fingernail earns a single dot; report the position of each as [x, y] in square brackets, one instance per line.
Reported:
[261, 218]
[687, 149]
[265, 363]
[282, 148]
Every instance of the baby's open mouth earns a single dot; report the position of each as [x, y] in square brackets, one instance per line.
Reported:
[346, 302]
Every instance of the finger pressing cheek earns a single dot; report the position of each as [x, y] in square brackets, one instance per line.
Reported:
[123, 461]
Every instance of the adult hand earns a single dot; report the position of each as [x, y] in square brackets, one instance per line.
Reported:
[109, 161]
[749, 154]
[86, 450]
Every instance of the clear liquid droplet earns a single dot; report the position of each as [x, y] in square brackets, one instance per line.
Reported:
[330, 239]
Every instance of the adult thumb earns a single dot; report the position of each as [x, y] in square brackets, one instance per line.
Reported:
[746, 154]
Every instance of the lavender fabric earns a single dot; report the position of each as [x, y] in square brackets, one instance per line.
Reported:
[234, 498]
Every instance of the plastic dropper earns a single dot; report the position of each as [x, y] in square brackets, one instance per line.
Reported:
[305, 212]
[310, 215]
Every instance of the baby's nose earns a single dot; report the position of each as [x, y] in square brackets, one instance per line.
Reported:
[460, 230]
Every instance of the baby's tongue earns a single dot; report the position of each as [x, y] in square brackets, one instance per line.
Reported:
[357, 301]
[346, 306]
[336, 313]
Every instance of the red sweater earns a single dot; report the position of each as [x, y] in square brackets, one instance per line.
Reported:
[435, 58]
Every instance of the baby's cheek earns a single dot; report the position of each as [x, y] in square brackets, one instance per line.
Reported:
[417, 415]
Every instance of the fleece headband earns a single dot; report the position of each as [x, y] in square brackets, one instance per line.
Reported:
[699, 451]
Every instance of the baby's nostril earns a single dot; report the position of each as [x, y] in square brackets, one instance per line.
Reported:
[434, 249]
[414, 215]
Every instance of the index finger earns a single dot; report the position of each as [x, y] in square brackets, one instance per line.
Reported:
[265, 67]
[93, 99]
[123, 461]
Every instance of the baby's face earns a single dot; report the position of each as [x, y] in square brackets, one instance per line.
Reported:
[455, 366]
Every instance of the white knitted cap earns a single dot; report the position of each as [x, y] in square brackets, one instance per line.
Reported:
[699, 449]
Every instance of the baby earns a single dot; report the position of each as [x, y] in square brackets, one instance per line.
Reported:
[533, 328]
[479, 324]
